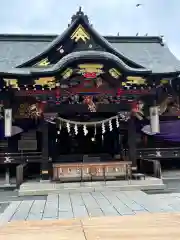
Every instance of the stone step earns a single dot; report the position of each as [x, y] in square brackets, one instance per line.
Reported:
[40, 188]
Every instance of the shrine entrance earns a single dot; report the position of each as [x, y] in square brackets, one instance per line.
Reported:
[73, 144]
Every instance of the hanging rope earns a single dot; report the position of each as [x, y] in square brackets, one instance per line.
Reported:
[87, 123]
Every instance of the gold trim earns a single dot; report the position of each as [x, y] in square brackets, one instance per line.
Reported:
[67, 73]
[90, 68]
[136, 80]
[43, 63]
[80, 33]
[48, 81]
[11, 83]
[164, 81]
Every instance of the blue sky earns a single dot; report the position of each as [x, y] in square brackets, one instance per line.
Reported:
[155, 17]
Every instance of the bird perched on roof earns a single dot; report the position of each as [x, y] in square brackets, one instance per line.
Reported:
[138, 4]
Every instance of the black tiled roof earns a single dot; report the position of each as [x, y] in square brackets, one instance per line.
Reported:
[147, 51]
[69, 58]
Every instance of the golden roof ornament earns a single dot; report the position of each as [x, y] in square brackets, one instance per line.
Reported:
[80, 34]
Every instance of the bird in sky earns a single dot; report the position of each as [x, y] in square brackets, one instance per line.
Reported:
[138, 4]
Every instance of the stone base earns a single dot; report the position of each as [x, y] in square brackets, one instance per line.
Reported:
[45, 188]
[45, 181]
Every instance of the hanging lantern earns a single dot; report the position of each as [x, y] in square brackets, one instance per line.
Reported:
[154, 119]
[8, 122]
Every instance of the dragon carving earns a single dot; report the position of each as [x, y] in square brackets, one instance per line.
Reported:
[91, 105]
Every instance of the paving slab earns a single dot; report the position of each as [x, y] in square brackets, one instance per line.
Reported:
[64, 203]
[95, 212]
[6, 216]
[91, 204]
[110, 211]
[80, 211]
[120, 207]
[37, 210]
[51, 207]
[89, 201]
[146, 201]
[22, 211]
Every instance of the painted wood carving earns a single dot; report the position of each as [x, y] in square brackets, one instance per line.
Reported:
[67, 73]
[114, 73]
[46, 81]
[43, 63]
[13, 83]
[91, 68]
[134, 80]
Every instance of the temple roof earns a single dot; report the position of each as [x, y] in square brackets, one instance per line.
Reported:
[147, 52]
[69, 58]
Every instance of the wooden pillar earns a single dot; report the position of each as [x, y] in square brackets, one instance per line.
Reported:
[45, 164]
[132, 142]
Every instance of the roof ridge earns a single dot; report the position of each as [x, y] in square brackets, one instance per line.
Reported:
[52, 37]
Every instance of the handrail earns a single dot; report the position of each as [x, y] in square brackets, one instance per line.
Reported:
[156, 167]
[159, 148]
[20, 153]
[29, 156]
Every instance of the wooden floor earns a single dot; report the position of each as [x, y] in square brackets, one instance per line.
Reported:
[141, 227]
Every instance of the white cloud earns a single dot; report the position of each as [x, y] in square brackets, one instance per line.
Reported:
[155, 17]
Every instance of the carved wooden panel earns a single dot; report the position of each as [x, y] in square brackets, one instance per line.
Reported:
[88, 171]
[66, 171]
[115, 171]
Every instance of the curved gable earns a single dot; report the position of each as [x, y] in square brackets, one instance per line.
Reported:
[79, 36]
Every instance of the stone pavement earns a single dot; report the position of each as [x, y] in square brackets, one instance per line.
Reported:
[90, 204]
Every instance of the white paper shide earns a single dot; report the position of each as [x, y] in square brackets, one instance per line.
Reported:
[8, 122]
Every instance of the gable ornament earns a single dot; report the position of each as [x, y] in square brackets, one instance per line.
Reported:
[80, 34]
[43, 63]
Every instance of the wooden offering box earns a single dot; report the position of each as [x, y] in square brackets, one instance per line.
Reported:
[91, 171]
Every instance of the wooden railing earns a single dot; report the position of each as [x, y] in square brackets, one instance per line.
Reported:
[158, 153]
[20, 157]
[91, 171]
